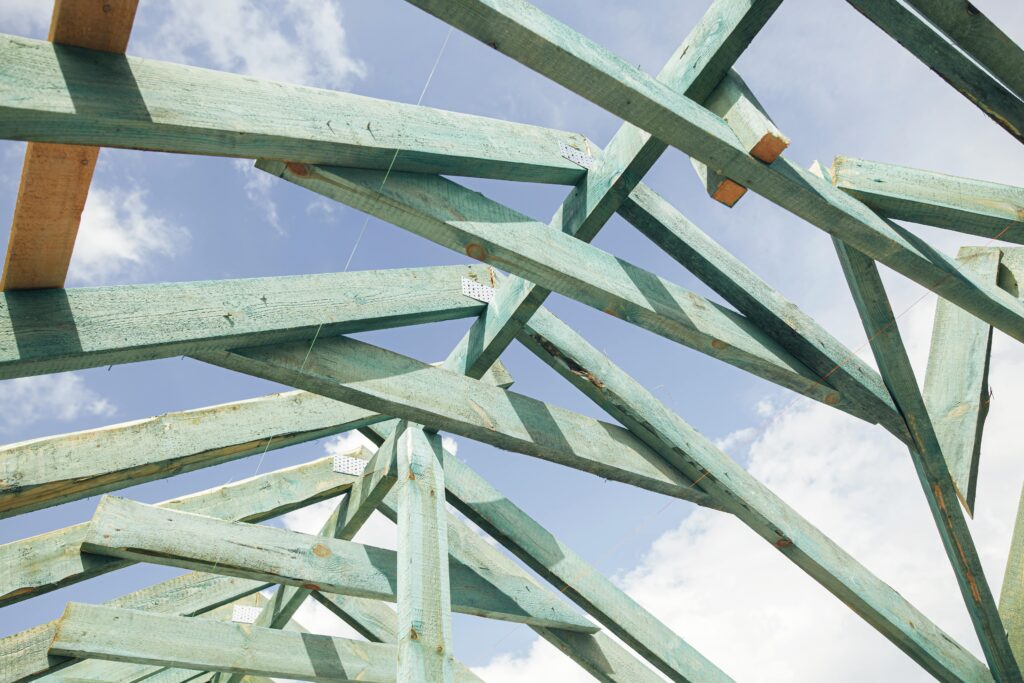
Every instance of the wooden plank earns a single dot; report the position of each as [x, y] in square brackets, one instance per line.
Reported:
[356, 372]
[975, 207]
[894, 366]
[467, 222]
[574, 577]
[127, 635]
[24, 656]
[753, 503]
[55, 178]
[424, 593]
[739, 108]
[952, 65]
[145, 533]
[1011, 597]
[68, 95]
[697, 65]
[978, 36]
[956, 382]
[53, 470]
[53, 331]
[521, 31]
[43, 563]
[796, 331]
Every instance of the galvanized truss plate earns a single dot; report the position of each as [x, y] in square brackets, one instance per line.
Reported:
[475, 290]
[576, 156]
[244, 614]
[344, 464]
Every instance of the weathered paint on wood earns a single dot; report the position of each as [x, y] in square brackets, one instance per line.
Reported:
[202, 644]
[894, 365]
[52, 560]
[57, 330]
[425, 647]
[1011, 597]
[975, 207]
[356, 372]
[145, 533]
[69, 95]
[468, 222]
[555, 50]
[24, 656]
[952, 65]
[956, 382]
[752, 502]
[796, 331]
[55, 178]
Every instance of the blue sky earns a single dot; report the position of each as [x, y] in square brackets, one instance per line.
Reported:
[833, 83]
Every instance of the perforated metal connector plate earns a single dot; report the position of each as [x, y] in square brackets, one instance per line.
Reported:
[344, 464]
[575, 156]
[244, 615]
[475, 290]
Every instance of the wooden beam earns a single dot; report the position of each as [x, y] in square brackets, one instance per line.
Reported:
[467, 222]
[952, 65]
[145, 533]
[733, 101]
[424, 593]
[562, 54]
[43, 563]
[975, 207]
[956, 382]
[697, 65]
[793, 329]
[55, 178]
[765, 513]
[53, 331]
[352, 371]
[573, 576]
[24, 656]
[929, 461]
[1011, 597]
[60, 94]
[127, 635]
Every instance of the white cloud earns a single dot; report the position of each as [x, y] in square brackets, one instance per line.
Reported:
[26, 17]
[258, 186]
[62, 397]
[736, 438]
[120, 236]
[542, 662]
[294, 41]
[450, 444]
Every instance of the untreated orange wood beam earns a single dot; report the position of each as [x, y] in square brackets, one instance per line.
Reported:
[55, 178]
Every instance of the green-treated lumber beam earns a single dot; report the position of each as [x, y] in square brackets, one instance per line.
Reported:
[424, 589]
[952, 65]
[765, 513]
[975, 207]
[1011, 597]
[796, 331]
[733, 101]
[573, 576]
[44, 331]
[555, 50]
[978, 36]
[55, 93]
[43, 563]
[468, 222]
[975, 34]
[599, 654]
[894, 365]
[24, 656]
[695, 68]
[956, 381]
[128, 635]
[145, 533]
[352, 371]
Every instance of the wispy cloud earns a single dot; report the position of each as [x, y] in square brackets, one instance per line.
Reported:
[26, 17]
[63, 397]
[258, 187]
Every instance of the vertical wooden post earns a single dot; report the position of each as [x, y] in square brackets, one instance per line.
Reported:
[424, 600]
